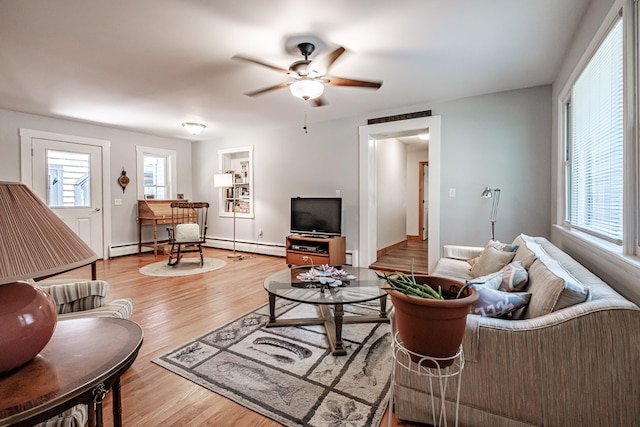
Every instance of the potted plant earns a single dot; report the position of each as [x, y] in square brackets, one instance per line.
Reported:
[430, 313]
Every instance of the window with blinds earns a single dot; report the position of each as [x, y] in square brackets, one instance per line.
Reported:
[594, 155]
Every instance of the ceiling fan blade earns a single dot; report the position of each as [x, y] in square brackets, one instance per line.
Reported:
[264, 64]
[341, 81]
[322, 64]
[267, 89]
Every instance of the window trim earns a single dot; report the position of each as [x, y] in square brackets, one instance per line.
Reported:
[170, 155]
[631, 176]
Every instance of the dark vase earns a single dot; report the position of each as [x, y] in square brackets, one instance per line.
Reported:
[28, 317]
[433, 328]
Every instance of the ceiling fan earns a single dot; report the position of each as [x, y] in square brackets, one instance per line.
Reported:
[310, 76]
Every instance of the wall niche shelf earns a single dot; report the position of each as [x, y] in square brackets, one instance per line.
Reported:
[239, 197]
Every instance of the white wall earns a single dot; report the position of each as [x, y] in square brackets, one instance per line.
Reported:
[391, 187]
[287, 163]
[501, 139]
[123, 154]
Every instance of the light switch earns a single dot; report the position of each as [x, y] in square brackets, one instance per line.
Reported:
[452, 192]
[117, 202]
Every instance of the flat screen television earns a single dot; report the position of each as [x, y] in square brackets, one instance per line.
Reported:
[316, 215]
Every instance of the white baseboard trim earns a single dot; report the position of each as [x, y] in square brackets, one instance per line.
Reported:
[247, 247]
[261, 248]
[126, 249]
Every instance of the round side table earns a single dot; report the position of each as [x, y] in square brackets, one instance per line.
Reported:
[436, 371]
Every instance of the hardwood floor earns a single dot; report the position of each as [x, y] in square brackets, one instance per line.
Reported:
[171, 311]
[400, 259]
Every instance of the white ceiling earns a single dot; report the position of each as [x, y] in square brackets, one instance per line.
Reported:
[149, 65]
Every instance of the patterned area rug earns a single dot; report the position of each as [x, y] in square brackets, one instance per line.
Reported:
[185, 267]
[287, 373]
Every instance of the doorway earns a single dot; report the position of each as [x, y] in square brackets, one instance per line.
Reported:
[68, 174]
[369, 134]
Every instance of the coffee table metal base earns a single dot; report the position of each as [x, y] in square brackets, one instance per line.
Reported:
[332, 321]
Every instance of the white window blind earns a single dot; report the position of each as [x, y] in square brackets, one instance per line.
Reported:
[596, 142]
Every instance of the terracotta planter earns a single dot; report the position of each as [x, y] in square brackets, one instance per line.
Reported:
[433, 328]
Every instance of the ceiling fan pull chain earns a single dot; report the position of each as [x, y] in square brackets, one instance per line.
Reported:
[305, 119]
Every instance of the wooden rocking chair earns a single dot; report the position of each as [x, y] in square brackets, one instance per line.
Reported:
[188, 229]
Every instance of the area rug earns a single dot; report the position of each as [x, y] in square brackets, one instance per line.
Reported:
[185, 267]
[287, 373]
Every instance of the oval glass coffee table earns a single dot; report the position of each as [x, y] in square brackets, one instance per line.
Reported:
[300, 284]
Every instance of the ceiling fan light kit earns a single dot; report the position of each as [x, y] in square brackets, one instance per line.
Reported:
[306, 88]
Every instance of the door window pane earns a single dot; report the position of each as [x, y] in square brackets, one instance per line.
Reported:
[68, 179]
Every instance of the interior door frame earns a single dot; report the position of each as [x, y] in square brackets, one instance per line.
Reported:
[26, 171]
[421, 205]
[368, 135]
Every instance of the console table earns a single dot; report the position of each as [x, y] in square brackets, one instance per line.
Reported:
[84, 359]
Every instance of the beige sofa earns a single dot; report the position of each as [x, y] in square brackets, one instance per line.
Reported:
[572, 366]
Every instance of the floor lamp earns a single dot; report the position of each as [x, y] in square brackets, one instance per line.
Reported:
[226, 180]
[495, 194]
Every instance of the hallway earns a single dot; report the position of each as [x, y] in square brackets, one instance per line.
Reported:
[400, 259]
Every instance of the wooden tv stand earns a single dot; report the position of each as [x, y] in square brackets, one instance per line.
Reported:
[319, 250]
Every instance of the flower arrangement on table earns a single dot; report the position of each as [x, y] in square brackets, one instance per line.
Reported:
[325, 276]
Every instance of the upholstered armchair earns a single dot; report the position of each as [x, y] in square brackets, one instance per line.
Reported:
[81, 298]
[85, 298]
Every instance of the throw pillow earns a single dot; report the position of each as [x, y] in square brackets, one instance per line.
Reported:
[491, 281]
[553, 288]
[187, 233]
[524, 253]
[491, 261]
[494, 303]
[515, 277]
[473, 260]
[506, 247]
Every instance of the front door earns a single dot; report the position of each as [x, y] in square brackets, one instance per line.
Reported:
[68, 178]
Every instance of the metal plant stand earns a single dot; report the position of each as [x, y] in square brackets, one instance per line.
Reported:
[437, 371]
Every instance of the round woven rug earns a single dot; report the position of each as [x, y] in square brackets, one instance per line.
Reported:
[185, 267]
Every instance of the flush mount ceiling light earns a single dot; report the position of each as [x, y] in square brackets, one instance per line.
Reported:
[306, 88]
[194, 128]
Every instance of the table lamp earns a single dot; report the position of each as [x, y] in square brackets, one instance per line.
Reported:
[34, 243]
